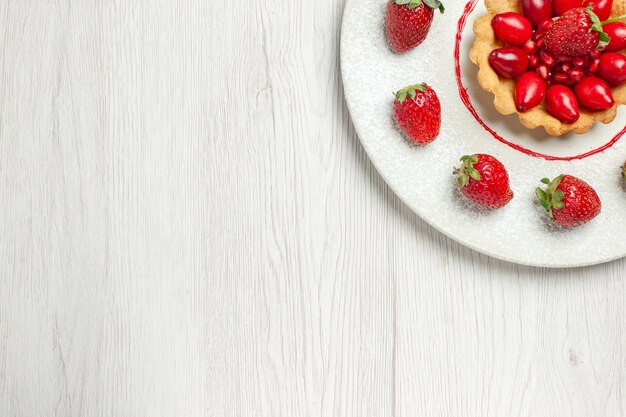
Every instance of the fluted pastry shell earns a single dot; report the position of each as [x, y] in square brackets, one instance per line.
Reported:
[503, 89]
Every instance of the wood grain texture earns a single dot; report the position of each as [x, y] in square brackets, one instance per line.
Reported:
[191, 228]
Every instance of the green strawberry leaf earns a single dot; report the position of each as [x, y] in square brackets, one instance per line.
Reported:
[559, 195]
[546, 181]
[410, 91]
[555, 183]
[467, 171]
[435, 4]
[411, 4]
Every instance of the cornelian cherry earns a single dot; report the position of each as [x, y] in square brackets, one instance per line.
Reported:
[512, 28]
[537, 11]
[617, 33]
[529, 91]
[594, 93]
[612, 68]
[562, 104]
[508, 62]
[602, 8]
[559, 7]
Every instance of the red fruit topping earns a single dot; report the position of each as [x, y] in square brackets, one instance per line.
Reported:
[418, 112]
[617, 33]
[566, 68]
[559, 7]
[543, 71]
[512, 28]
[540, 42]
[547, 58]
[537, 11]
[569, 200]
[612, 68]
[484, 180]
[592, 68]
[561, 78]
[544, 26]
[529, 91]
[579, 62]
[578, 32]
[408, 22]
[508, 62]
[594, 93]
[602, 8]
[576, 74]
[562, 104]
[533, 61]
[530, 47]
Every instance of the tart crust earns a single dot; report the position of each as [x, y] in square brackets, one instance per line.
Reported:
[504, 89]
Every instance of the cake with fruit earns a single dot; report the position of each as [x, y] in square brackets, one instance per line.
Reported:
[558, 64]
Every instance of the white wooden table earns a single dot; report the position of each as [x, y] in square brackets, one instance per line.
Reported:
[190, 227]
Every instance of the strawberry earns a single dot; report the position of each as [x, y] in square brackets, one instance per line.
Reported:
[408, 22]
[418, 112]
[484, 180]
[575, 33]
[569, 201]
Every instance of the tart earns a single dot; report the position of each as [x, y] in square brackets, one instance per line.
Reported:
[504, 88]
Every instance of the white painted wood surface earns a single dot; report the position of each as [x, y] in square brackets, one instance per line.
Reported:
[189, 227]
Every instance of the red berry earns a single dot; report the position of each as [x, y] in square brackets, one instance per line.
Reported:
[576, 74]
[484, 180]
[562, 104]
[530, 47]
[418, 112]
[572, 35]
[537, 11]
[612, 68]
[533, 61]
[512, 28]
[529, 91]
[543, 71]
[408, 22]
[508, 62]
[594, 93]
[544, 26]
[561, 78]
[559, 7]
[547, 58]
[569, 200]
[602, 8]
[592, 68]
[617, 33]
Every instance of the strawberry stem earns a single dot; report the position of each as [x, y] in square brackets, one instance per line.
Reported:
[613, 20]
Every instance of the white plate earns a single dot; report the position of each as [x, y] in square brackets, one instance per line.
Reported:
[422, 176]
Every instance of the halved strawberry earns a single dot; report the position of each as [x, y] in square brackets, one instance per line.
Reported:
[569, 200]
[408, 22]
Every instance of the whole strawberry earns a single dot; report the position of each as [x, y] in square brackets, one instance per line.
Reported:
[408, 22]
[577, 33]
[418, 112]
[484, 180]
[569, 201]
